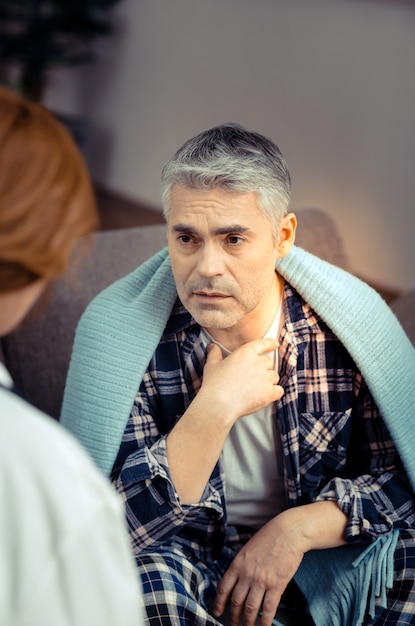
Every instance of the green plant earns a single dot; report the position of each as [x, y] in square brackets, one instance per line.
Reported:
[36, 35]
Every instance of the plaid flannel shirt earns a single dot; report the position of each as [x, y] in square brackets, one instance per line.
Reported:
[334, 441]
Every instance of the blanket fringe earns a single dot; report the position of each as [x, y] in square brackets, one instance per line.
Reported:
[350, 581]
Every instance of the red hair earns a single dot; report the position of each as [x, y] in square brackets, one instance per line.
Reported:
[46, 196]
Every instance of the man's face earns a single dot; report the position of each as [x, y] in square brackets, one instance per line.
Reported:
[223, 254]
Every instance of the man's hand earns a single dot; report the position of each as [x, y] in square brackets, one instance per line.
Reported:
[243, 382]
[262, 569]
[258, 576]
[232, 387]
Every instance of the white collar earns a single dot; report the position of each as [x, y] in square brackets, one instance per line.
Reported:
[5, 378]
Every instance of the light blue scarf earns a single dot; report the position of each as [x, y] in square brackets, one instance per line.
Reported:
[119, 333]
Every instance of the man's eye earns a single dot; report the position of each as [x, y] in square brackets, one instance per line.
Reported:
[235, 240]
[186, 239]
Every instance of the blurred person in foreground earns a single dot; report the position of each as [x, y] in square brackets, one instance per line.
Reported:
[65, 558]
[256, 406]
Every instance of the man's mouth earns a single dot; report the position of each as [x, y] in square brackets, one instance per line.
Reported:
[210, 294]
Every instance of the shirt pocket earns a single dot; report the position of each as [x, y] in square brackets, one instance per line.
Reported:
[323, 443]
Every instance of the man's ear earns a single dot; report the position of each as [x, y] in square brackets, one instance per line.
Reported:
[286, 235]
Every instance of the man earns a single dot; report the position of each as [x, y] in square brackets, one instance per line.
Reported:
[253, 441]
[65, 559]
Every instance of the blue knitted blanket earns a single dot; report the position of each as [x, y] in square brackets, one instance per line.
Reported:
[120, 330]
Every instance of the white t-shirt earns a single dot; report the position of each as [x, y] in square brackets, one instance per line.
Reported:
[252, 459]
[65, 557]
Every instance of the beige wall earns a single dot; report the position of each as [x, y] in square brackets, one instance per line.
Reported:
[331, 81]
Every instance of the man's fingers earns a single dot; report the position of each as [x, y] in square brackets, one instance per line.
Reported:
[223, 593]
[238, 605]
[261, 346]
[269, 607]
[248, 605]
[222, 596]
[252, 605]
[279, 392]
[214, 353]
[220, 603]
[276, 377]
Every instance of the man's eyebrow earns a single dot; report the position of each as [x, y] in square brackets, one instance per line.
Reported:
[183, 228]
[232, 228]
[223, 230]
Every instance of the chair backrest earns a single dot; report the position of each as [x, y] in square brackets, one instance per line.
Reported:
[37, 354]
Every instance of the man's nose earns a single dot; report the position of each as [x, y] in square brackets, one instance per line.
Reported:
[210, 261]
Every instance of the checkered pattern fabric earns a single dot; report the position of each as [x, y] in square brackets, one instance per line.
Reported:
[335, 445]
[179, 586]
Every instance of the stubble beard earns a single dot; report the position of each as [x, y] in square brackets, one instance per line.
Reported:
[216, 315]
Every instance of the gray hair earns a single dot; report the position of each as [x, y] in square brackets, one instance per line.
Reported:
[231, 158]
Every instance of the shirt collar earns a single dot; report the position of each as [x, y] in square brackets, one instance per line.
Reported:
[180, 319]
[300, 319]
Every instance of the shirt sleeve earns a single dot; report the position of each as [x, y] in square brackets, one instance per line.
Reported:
[374, 491]
[141, 476]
